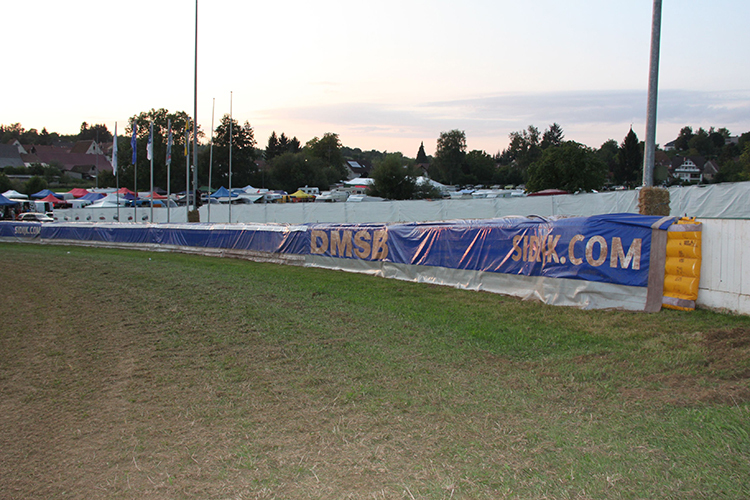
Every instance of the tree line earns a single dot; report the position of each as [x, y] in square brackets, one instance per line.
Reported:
[535, 159]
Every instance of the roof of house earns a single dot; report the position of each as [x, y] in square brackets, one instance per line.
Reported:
[9, 156]
[61, 156]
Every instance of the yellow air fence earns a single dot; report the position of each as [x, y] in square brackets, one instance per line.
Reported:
[683, 265]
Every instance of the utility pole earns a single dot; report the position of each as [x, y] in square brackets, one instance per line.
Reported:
[195, 116]
[653, 90]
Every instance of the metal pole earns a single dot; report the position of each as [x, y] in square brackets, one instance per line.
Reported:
[151, 136]
[653, 90]
[230, 156]
[211, 160]
[195, 115]
[169, 168]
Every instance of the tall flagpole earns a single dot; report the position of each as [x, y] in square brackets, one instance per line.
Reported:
[195, 115]
[653, 91]
[169, 168]
[134, 145]
[230, 156]
[187, 169]
[211, 160]
[117, 173]
[151, 157]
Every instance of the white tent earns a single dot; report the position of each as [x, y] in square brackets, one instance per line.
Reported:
[11, 193]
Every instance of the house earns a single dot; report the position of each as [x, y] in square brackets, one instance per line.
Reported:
[9, 156]
[75, 164]
[356, 169]
[692, 169]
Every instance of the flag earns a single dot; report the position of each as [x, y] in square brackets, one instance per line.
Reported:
[133, 141]
[150, 146]
[114, 153]
[169, 143]
[187, 136]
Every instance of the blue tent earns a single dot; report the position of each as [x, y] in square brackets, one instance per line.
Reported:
[223, 192]
[5, 202]
[44, 193]
[92, 196]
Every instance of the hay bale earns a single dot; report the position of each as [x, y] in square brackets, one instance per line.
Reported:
[194, 216]
[653, 201]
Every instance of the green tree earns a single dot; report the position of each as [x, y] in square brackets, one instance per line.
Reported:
[552, 137]
[479, 168]
[683, 139]
[629, 166]
[93, 133]
[290, 171]
[34, 185]
[523, 150]
[571, 167]
[5, 183]
[607, 153]
[450, 156]
[328, 151]
[393, 179]
[244, 168]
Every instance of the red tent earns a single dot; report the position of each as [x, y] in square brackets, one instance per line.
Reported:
[155, 195]
[78, 192]
[51, 199]
[126, 191]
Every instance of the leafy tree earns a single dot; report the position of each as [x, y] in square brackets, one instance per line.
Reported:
[328, 151]
[34, 185]
[5, 183]
[95, 132]
[290, 171]
[683, 139]
[700, 143]
[607, 153]
[552, 137]
[393, 179]
[287, 145]
[523, 150]
[571, 167]
[449, 157]
[279, 145]
[479, 168]
[243, 143]
[629, 166]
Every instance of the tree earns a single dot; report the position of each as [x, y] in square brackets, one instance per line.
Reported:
[683, 138]
[553, 136]
[243, 143]
[392, 179]
[449, 157]
[523, 150]
[607, 153]
[479, 168]
[290, 171]
[5, 183]
[272, 147]
[93, 133]
[34, 185]
[571, 167]
[629, 166]
[328, 150]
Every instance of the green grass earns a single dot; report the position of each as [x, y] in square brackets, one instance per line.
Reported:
[128, 373]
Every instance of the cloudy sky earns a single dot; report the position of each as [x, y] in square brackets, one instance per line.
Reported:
[384, 75]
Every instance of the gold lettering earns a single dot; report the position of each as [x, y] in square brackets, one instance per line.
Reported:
[535, 253]
[618, 254]
[572, 248]
[341, 246]
[550, 253]
[525, 248]
[516, 249]
[602, 251]
[379, 247]
[316, 248]
[361, 245]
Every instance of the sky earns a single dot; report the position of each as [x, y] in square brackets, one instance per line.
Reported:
[384, 75]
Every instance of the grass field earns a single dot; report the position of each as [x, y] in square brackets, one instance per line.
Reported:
[129, 374]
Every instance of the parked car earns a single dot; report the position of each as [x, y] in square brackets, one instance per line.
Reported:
[34, 217]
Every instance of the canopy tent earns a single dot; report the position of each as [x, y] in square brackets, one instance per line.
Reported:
[78, 192]
[124, 190]
[11, 193]
[53, 199]
[5, 202]
[44, 193]
[223, 192]
[301, 195]
[147, 195]
[92, 197]
[112, 200]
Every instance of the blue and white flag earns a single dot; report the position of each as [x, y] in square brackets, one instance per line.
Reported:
[150, 146]
[133, 141]
[114, 153]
